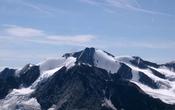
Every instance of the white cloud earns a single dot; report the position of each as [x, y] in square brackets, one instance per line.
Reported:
[39, 36]
[71, 39]
[33, 35]
[23, 32]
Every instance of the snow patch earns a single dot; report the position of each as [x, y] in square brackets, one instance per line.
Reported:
[164, 70]
[32, 103]
[52, 108]
[19, 99]
[70, 62]
[147, 72]
[165, 94]
[51, 64]
[135, 76]
[108, 103]
[105, 61]
[48, 69]
[125, 59]
[22, 91]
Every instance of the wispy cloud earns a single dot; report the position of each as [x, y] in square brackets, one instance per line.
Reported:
[132, 5]
[39, 36]
[41, 7]
[71, 39]
[8, 6]
[33, 35]
[35, 7]
[23, 32]
[142, 44]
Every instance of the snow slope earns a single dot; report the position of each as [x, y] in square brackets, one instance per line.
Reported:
[103, 60]
[49, 67]
[20, 97]
[166, 91]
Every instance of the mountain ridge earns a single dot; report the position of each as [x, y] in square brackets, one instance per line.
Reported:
[77, 79]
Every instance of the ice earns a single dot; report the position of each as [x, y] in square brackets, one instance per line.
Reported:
[125, 59]
[22, 91]
[105, 61]
[47, 70]
[51, 64]
[165, 94]
[164, 70]
[135, 76]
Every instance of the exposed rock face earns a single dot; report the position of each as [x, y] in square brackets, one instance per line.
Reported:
[86, 88]
[7, 81]
[10, 79]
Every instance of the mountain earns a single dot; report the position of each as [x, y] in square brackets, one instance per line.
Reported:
[91, 79]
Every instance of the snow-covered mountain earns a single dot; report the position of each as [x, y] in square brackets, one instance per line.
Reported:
[91, 79]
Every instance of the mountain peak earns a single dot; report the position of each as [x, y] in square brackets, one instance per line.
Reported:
[96, 57]
[77, 54]
[95, 75]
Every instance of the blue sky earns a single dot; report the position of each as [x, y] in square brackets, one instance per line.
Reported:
[34, 30]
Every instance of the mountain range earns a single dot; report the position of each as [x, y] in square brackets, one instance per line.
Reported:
[90, 79]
